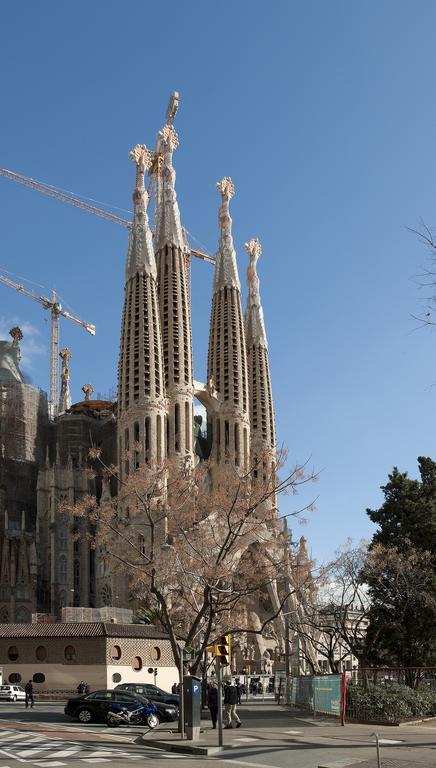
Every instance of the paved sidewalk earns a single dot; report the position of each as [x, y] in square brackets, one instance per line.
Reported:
[272, 736]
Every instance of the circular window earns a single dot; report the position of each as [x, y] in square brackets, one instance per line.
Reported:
[38, 677]
[115, 652]
[15, 677]
[12, 653]
[137, 663]
[116, 677]
[70, 653]
[41, 653]
[155, 653]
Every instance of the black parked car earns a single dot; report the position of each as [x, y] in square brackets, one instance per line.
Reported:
[151, 692]
[95, 705]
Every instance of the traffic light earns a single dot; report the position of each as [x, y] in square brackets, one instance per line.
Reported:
[222, 650]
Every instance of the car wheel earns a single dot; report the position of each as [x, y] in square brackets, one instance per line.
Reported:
[84, 716]
[152, 721]
[14, 698]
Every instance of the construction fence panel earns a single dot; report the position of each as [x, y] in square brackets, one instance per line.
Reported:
[317, 693]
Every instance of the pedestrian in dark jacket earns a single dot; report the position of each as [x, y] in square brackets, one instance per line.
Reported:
[212, 702]
[28, 690]
[230, 702]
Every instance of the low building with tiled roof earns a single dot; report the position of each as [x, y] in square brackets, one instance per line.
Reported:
[57, 656]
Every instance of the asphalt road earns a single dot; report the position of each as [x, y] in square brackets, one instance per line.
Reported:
[270, 737]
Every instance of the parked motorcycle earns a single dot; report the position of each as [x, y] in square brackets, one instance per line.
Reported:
[121, 715]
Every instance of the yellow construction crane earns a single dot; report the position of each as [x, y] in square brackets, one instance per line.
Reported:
[56, 311]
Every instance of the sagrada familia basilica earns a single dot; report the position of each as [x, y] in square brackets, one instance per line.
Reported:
[43, 461]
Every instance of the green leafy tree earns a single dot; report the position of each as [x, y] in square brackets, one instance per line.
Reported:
[400, 572]
[402, 617]
[408, 515]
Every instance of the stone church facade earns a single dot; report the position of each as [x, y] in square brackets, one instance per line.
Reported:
[46, 562]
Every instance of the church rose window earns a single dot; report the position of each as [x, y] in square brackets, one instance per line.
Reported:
[15, 677]
[12, 653]
[38, 677]
[116, 677]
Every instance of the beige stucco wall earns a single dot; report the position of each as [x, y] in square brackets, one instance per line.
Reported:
[165, 678]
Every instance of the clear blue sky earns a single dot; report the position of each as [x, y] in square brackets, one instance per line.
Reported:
[323, 113]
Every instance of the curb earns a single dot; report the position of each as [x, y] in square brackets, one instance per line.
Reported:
[181, 747]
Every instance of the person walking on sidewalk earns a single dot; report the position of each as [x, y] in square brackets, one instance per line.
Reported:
[212, 702]
[28, 690]
[230, 702]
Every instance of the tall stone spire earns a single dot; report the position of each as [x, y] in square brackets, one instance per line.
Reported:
[227, 363]
[171, 254]
[261, 402]
[65, 396]
[141, 387]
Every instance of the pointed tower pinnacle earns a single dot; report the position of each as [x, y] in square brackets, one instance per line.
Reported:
[168, 225]
[141, 389]
[171, 254]
[140, 254]
[65, 396]
[227, 362]
[261, 402]
[226, 272]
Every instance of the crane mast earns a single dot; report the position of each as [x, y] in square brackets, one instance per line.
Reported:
[56, 311]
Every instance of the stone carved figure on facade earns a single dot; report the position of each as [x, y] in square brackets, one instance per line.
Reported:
[88, 391]
[65, 397]
[17, 336]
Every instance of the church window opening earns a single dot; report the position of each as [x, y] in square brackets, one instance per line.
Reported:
[22, 615]
[136, 440]
[188, 427]
[141, 545]
[14, 677]
[38, 677]
[137, 664]
[116, 677]
[237, 447]
[245, 448]
[70, 653]
[226, 437]
[12, 653]
[62, 534]
[4, 616]
[106, 595]
[159, 438]
[147, 439]
[126, 448]
[62, 569]
[167, 430]
[177, 427]
[41, 653]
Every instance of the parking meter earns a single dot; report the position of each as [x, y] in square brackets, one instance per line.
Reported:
[192, 697]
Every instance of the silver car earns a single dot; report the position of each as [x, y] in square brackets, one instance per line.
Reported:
[12, 693]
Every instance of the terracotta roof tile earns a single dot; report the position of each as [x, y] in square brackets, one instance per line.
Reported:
[81, 629]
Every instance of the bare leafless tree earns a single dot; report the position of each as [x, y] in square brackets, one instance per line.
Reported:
[197, 545]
